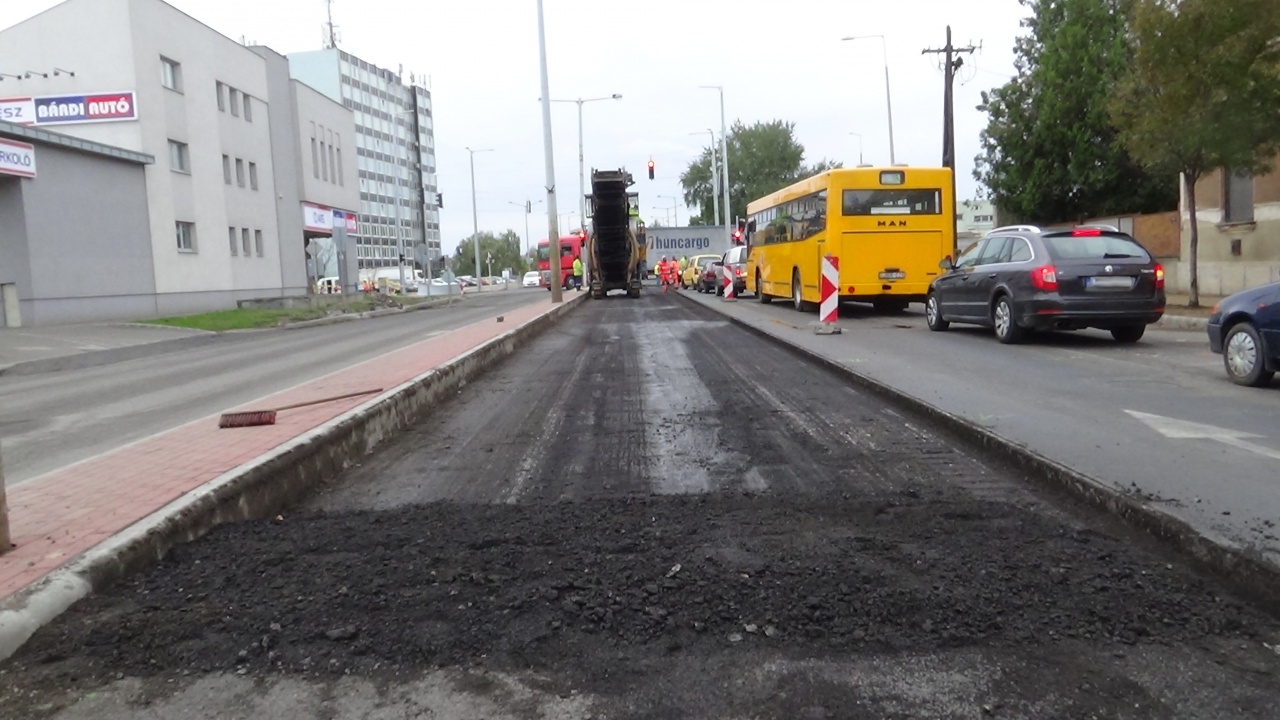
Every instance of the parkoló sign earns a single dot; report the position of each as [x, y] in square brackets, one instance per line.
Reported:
[70, 109]
[17, 159]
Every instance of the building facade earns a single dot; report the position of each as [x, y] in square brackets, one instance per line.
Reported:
[974, 218]
[192, 98]
[317, 185]
[75, 241]
[395, 151]
[1238, 216]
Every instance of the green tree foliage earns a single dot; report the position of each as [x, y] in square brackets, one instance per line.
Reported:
[1202, 92]
[763, 158]
[1050, 151]
[507, 250]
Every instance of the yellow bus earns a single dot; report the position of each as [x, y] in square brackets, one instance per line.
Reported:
[889, 226]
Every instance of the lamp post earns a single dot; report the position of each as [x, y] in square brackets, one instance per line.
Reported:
[528, 209]
[859, 135]
[724, 164]
[553, 234]
[888, 101]
[675, 222]
[582, 192]
[715, 189]
[475, 218]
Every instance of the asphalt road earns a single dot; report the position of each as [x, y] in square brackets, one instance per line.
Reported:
[1133, 416]
[650, 513]
[51, 420]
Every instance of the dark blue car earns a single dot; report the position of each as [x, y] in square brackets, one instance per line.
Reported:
[1245, 330]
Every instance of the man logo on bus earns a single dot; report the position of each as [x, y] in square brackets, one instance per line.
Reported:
[891, 223]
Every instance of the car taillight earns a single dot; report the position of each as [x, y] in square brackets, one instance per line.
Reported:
[1159, 277]
[1045, 278]
[737, 271]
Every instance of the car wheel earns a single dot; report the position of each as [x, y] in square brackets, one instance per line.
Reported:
[1008, 331]
[933, 314]
[761, 297]
[1242, 356]
[1128, 333]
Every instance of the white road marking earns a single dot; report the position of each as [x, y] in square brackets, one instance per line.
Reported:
[1176, 429]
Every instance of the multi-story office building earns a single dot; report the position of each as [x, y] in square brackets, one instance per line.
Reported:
[395, 149]
[142, 76]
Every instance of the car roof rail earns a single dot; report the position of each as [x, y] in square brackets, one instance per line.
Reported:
[1014, 228]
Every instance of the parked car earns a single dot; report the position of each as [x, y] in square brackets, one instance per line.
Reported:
[736, 260]
[531, 279]
[693, 271]
[1245, 330]
[1022, 278]
[709, 279]
[328, 286]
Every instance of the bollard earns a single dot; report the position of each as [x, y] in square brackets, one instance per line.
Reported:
[728, 283]
[5, 545]
[829, 308]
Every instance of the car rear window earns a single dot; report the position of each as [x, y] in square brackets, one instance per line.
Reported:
[1094, 247]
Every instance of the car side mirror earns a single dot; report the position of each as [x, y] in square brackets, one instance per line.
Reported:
[946, 263]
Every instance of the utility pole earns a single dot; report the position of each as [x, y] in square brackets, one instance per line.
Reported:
[952, 63]
[553, 232]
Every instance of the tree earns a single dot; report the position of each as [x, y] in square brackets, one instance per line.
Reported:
[1202, 92]
[1050, 151]
[763, 158]
[506, 249]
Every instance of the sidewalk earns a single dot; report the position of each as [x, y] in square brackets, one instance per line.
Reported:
[56, 517]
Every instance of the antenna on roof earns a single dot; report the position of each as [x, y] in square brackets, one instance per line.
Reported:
[330, 30]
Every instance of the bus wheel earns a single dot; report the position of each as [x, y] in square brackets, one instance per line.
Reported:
[797, 300]
[760, 296]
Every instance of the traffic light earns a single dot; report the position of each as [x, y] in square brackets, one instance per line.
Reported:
[740, 231]
[650, 169]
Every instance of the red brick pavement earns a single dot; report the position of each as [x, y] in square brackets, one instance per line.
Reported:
[61, 514]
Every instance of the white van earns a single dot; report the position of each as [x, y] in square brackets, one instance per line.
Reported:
[412, 277]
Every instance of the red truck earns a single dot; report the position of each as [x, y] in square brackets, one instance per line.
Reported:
[570, 249]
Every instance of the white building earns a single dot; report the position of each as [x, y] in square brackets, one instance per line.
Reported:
[395, 147]
[974, 218]
[143, 76]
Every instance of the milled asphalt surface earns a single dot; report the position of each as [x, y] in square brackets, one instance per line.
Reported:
[1070, 397]
[50, 420]
[651, 513]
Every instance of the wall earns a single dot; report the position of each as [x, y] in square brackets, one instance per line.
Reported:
[1225, 267]
[285, 166]
[319, 70]
[15, 267]
[337, 121]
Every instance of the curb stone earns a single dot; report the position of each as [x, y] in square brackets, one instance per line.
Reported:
[259, 488]
[1244, 569]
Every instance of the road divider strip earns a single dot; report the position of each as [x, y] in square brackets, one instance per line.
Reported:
[261, 487]
[1245, 570]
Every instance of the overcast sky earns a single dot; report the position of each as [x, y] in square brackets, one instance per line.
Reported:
[776, 60]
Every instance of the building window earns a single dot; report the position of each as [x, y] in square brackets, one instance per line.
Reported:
[333, 163]
[226, 169]
[171, 74]
[222, 97]
[257, 242]
[324, 163]
[253, 175]
[339, 167]
[179, 157]
[240, 172]
[248, 108]
[1238, 192]
[235, 102]
[244, 240]
[315, 159]
[231, 237]
[186, 235]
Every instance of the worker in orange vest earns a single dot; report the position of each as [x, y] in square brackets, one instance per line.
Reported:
[664, 272]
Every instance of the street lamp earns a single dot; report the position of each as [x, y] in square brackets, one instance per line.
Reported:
[715, 190]
[674, 213]
[887, 98]
[548, 152]
[724, 163]
[859, 146]
[528, 209]
[582, 192]
[475, 218]
[665, 216]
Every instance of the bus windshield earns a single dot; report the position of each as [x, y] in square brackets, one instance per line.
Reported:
[892, 202]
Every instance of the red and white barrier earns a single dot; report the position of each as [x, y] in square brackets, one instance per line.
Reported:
[829, 307]
[728, 283]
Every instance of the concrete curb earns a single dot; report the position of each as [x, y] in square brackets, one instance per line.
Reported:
[1251, 574]
[258, 489]
[1182, 322]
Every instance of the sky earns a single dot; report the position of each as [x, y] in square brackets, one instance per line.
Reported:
[775, 59]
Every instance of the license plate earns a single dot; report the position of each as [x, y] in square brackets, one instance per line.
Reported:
[1109, 283]
[893, 275]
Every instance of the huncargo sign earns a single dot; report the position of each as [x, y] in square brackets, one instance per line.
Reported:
[697, 240]
[70, 109]
[17, 158]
